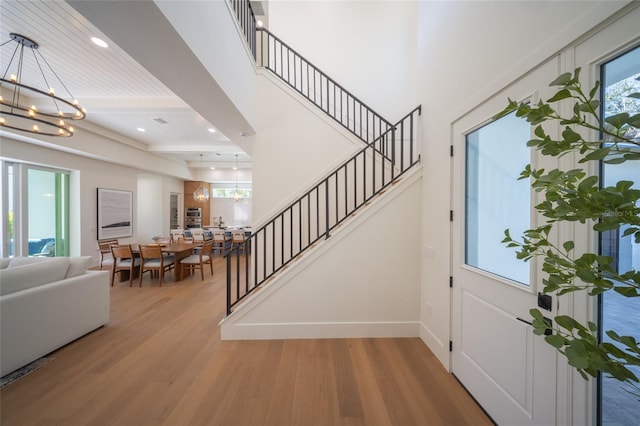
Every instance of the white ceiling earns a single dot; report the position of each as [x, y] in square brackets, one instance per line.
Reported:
[118, 93]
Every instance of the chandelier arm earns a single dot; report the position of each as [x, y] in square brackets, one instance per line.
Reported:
[28, 118]
[56, 75]
[11, 60]
[44, 77]
[16, 99]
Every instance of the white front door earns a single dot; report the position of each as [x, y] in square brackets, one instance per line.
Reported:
[508, 370]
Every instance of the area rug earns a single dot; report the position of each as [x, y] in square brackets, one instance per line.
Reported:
[21, 372]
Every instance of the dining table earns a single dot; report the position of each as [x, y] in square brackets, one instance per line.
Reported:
[178, 250]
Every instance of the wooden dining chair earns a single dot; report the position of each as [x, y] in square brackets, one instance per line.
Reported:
[197, 261]
[237, 240]
[219, 242]
[198, 236]
[186, 240]
[175, 234]
[152, 259]
[104, 247]
[123, 260]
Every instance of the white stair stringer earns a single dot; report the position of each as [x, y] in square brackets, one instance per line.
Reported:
[363, 281]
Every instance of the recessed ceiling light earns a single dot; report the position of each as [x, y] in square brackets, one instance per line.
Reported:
[99, 42]
[212, 168]
[235, 168]
[212, 130]
[259, 24]
[140, 129]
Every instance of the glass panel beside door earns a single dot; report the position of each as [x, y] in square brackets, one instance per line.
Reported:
[620, 77]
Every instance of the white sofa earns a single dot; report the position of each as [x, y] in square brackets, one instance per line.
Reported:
[46, 303]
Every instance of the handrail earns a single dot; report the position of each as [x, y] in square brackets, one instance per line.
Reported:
[247, 21]
[321, 209]
[332, 98]
[390, 152]
[315, 85]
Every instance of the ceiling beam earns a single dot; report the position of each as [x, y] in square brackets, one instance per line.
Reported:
[143, 32]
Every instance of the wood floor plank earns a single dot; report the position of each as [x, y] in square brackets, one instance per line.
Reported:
[374, 408]
[160, 361]
[280, 411]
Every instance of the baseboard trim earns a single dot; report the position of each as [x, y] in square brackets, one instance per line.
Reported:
[319, 330]
[439, 349]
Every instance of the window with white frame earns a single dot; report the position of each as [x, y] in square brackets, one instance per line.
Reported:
[35, 205]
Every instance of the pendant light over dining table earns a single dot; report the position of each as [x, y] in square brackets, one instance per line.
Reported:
[24, 105]
[201, 194]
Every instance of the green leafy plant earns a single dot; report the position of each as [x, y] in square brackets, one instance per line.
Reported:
[575, 196]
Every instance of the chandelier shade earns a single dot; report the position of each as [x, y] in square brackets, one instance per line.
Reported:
[201, 194]
[24, 105]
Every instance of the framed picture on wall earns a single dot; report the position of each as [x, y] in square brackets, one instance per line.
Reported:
[115, 213]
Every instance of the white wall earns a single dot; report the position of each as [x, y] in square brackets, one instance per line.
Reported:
[367, 47]
[209, 28]
[295, 146]
[468, 51]
[153, 214]
[88, 175]
[362, 281]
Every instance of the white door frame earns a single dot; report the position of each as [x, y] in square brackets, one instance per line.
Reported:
[576, 398]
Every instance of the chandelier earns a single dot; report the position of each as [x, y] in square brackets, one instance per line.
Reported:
[201, 194]
[27, 108]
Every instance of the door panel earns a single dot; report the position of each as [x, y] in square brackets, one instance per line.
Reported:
[502, 357]
[510, 371]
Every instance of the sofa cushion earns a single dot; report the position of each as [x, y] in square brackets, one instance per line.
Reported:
[23, 260]
[78, 265]
[4, 262]
[32, 275]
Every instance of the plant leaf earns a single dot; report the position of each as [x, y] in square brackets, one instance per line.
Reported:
[561, 80]
[562, 94]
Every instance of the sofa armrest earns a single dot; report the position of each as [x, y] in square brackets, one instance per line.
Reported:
[39, 320]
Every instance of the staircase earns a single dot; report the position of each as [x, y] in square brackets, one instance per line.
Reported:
[318, 88]
[389, 151]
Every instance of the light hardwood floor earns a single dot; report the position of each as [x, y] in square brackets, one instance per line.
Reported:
[160, 361]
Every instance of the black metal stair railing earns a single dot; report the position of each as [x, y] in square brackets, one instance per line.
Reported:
[313, 84]
[390, 152]
[247, 21]
[321, 209]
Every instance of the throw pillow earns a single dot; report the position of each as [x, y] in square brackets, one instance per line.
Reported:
[33, 275]
[78, 265]
[4, 262]
[22, 261]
